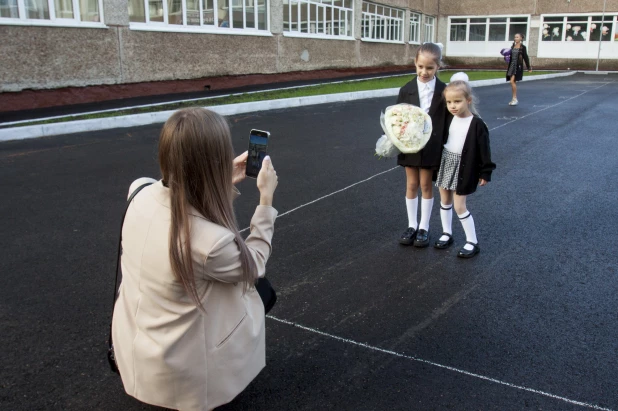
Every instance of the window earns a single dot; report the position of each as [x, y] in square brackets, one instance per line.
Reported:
[429, 28]
[381, 23]
[498, 28]
[319, 18]
[220, 14]
[458, 29]
[56, 11]
[577, 28]
[415, 28]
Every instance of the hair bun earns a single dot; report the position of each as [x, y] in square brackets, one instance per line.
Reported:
[440, 45]
[460, 76]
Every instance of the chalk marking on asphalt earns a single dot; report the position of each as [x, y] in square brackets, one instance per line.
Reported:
[446, 367]
[391, 169]
[328, 195]
[553, 105]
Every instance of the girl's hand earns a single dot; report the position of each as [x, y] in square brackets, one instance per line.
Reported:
[530, 71]
[240, 168]
[482, 182]
[267, 181]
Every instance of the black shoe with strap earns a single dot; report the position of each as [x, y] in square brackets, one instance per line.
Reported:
[463, 253]
[444, 244]
[422, 238]
[408, 236]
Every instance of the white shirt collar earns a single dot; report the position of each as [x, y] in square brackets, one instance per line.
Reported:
[422, 86]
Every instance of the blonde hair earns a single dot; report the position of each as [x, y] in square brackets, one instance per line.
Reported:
[433, 50]
[466, 90]
[196, 161]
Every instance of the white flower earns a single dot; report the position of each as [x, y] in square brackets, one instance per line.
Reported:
[407, 127]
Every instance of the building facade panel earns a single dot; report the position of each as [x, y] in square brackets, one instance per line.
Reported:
[379, 54]
[52, 57]
[155, 56]
[301, 54]
[484, 7]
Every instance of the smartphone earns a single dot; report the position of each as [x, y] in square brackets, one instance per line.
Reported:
[258, 146]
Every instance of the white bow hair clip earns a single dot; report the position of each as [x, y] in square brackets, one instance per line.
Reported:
[460, 76]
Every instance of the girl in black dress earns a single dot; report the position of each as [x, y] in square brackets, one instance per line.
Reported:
[424, 91]
[515, 72]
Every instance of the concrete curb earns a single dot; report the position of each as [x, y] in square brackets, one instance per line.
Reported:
[133, 120]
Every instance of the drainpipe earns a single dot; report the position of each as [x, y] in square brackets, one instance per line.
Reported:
[601, 34]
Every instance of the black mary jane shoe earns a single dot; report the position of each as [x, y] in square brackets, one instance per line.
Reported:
[408, 236]
[463, 253]
[422, 239]
[444, 244]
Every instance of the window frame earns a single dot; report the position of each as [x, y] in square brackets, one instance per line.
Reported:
[417, 29]
[429, 27]
[585, 50]
[370, 16]
[165, 26]
[295, 28]
[53, 21]
[487, 24]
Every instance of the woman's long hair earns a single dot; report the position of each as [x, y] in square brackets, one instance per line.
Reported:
[196, 161]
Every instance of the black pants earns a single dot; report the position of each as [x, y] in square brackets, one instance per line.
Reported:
[267, 293]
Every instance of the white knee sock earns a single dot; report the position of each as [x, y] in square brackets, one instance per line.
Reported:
[446, 215]
[468, 225]
[412, 207]
[426, 206]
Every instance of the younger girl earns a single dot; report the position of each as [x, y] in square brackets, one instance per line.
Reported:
[425, 91]
[466, 162]
[515, 72]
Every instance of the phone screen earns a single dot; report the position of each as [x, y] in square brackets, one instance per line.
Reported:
[258, 145]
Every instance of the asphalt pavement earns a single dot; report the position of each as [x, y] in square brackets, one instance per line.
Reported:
[362, 323]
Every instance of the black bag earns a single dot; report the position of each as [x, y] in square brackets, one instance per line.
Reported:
[111, 358]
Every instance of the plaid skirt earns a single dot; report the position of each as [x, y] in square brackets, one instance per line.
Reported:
[449, 170]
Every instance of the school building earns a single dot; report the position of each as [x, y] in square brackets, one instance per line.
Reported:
[74, 51]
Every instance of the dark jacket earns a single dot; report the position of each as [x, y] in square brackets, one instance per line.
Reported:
[430, 156]
[521, 59]
[475, 158]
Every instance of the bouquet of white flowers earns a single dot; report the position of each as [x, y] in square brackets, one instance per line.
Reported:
[407, 129]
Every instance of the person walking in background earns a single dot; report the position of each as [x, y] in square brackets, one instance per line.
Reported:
[424, 91]
[466, 162]
[515, 71]
[188, 324]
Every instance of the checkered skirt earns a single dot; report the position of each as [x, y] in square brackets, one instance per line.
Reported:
[449, 170]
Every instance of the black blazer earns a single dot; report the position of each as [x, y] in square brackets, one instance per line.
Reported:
[430, 156]
[521, 59]
[475, 158]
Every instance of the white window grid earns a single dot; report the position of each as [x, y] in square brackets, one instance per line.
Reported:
[203, 14]
[430, 28]
[319, 18]
[415, 28]
[587, 18]
[69, 12]
[382, 23]
[462, 25]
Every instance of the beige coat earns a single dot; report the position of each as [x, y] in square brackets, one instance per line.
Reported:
[168, 352]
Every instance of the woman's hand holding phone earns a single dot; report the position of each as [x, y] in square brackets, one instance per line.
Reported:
[267, 181]
[240, 167]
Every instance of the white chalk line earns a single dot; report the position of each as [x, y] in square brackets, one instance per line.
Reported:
[391, 169]
[553, 105]
[328, 195]
[434, 364]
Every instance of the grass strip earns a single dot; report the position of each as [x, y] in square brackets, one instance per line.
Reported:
[343, 87]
